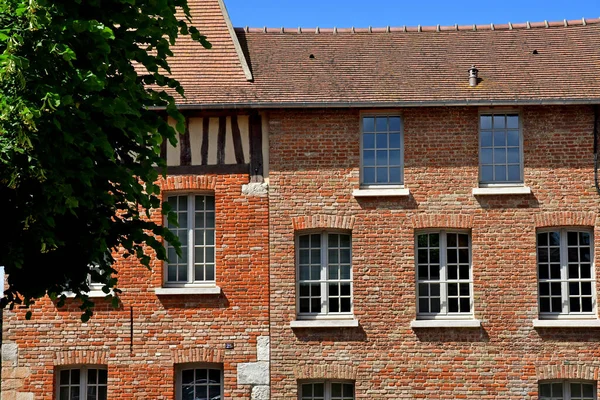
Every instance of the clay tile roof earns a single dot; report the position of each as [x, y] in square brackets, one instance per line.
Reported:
[393, 65]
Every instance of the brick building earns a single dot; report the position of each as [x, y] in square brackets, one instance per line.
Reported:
[385, 227]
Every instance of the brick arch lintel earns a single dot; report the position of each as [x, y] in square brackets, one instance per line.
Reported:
[567, 371]
[565, 218]
[458, 221]
[81, 357]
[323, 221]
[188, 182]
[325, 372]
[204, 355]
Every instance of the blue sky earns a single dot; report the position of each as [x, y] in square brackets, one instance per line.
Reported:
[381, 13]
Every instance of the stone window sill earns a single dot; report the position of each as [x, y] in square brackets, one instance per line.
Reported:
[381, 192]
[324, 323]
[174, 291]
[566, 323]
[501, 190]
[445, 323]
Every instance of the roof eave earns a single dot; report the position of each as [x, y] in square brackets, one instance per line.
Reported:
[387, 104]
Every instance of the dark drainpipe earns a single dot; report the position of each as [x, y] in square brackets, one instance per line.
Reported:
[596, 149]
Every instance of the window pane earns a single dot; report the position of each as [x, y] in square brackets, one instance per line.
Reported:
[75, 377]
[368, 158]
[345, 272]
[435, 305]
[395, 175]
[382, 175]
[486, 139]
[214, 393]
[214, 375]
[346, 307]
[514, 173]
[210, 272]
[102, 393]
[92, 376]
[368, 141]
[369, 175]
[487, 156]
[465, 305]
[453, 305]
[500, 156]
[64, 377]
[336, 389]
[486, 122]
[584, 238]
[487, 173]
[210, 219]
[499, 122]
[544, 304]
[394, 124]
[545, 391]
[588, 390]
[368, 124]
[554, 239]
[512, 121]
[499, 138]
[382, 158]
[381, 141]
[187, 376]
[394, 139]
[500, 173]
[424, 305]
[394, 158]
[512, 155]
[512, 138]
[381, 124]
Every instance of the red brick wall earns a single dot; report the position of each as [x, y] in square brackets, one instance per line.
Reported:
[314, 168]
[167, 329]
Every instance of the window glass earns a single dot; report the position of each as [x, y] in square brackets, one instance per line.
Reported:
[443, 263]
[500, 149]
[200, 384]
[567, 390]
[196, 232]
[382, 153]
[324, 273]
[565, 267]
[327, 391]
[82, 383]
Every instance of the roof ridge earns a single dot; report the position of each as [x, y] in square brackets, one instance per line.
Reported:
[437, 28]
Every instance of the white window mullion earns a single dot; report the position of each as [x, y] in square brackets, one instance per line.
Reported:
[443, 275]
[191, 244]
[83, 381]
[324, 286]
[564, 284]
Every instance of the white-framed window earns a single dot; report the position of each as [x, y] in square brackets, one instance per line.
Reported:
[326, 390]
[567, 390]
[444, 274]
[82, 383]
[565, 259]
[500, 149]
[382, 150]
[324, 273]
[199, 382]
[196, 232]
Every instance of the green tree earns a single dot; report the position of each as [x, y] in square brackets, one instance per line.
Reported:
[79, 140]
